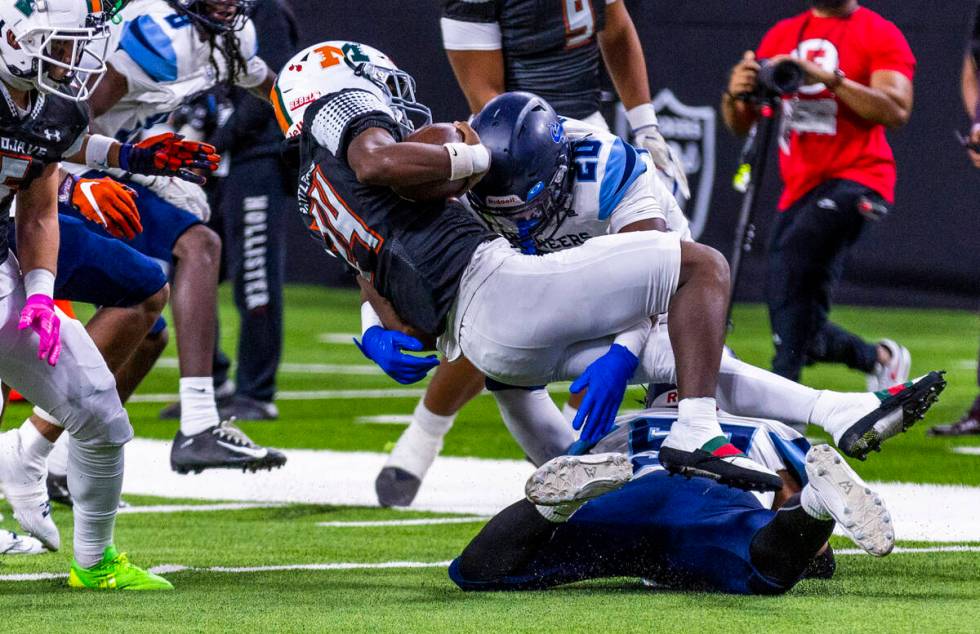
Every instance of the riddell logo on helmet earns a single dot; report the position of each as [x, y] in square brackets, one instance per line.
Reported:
[296, 104]
[504, 201]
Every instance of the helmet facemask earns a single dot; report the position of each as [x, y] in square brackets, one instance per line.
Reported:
[400, 88]
[537, 220]
[66, 62]
[217, 16]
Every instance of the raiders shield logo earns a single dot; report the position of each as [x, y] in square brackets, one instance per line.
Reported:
[691, 132]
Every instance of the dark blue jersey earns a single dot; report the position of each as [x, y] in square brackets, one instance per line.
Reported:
[549, 47]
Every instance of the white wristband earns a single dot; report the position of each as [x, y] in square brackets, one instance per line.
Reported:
[39, 282]
[642, 116]
[97, 151]
[466, 160]
[369, 318]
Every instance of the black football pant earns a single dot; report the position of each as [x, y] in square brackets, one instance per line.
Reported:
[807, 250]
[253, 204]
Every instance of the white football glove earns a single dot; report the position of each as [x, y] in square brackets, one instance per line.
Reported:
[187, 196]
[646, 134]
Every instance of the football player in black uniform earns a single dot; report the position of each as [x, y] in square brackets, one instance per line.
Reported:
[521, 320]
[45, 49]
[552, 49]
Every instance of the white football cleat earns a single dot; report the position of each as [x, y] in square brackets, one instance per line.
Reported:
[13, 544]
[577, 479]
[845, 497]
[895, 371]
[26, 492]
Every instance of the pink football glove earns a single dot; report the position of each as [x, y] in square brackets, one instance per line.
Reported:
[39, 315]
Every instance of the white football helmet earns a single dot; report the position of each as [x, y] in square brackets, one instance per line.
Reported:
[56, 46]
[334, 66]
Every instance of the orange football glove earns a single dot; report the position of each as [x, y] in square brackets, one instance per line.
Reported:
[109, 204]
[169, 154]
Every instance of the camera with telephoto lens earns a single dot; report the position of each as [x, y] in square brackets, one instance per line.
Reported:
[777, 79]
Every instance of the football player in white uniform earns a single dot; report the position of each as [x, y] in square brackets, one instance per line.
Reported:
[49, 52]
[601, 162]
[169, 51]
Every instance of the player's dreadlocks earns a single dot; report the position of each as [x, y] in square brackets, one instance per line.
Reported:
[235, 65]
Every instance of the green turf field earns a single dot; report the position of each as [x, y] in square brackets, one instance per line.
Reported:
[935, 591]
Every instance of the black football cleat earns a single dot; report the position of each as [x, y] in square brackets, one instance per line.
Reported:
[722, 462]
[58, 490]
[241, 407]
[223, 446]
[901, 407]
[969, 425]
[396, 487]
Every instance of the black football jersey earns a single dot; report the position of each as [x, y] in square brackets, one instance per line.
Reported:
[549, 47]
[975, 36]
[413, 253]
[52, 129]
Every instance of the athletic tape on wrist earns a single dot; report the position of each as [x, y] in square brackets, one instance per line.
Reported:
[39, 282]
[369, 318]
[97, 151]
[642, 116]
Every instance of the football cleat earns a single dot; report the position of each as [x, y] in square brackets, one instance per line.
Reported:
[115, 572]
[901, 406]
[721, 461]
[895, 371]
[223, 446]
[396, 487]
[26, 492]
[13, 544]
[58, 489]
[577, 479]
[242, 407]
[968, 425]
[846, 499]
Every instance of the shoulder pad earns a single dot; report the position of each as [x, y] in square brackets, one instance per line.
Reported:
[150, 44]
[248, 41]
[622, 167]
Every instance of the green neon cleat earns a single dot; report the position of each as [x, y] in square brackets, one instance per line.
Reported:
[115, 572]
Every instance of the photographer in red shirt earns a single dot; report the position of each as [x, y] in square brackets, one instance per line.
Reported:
[838, 172]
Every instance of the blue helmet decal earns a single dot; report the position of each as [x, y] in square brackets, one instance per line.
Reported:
[534, 191]
[557, 131]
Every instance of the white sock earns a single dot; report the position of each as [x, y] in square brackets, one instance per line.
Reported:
[421, 442]
[836, 411]
[569, 412]
[95, 476]
[535, 422]
[198, 410]
[811, 504]
[697, 423]
[35, 448]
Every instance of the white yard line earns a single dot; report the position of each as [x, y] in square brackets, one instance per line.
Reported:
[343, 338]
[171, 363]
[426, 521]
[899, 550]
[327, 395]
[195, 508]
[969, 451]
[474, 486]
[384, 419]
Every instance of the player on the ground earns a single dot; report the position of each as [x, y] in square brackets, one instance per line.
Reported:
[552, 50]
[598, 161]
[168, 51]
[617, 513]
[522, 320]
[49, 51]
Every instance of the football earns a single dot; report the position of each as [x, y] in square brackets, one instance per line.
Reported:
[435, 134]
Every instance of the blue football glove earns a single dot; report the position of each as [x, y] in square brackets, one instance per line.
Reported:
[606, 378]
[384, 347]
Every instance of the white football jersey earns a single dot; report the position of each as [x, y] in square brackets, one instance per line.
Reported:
[166, 61]
[767, 442]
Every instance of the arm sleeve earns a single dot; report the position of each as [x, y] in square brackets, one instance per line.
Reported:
[470, 25]
[891, 51]
[344, 115]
